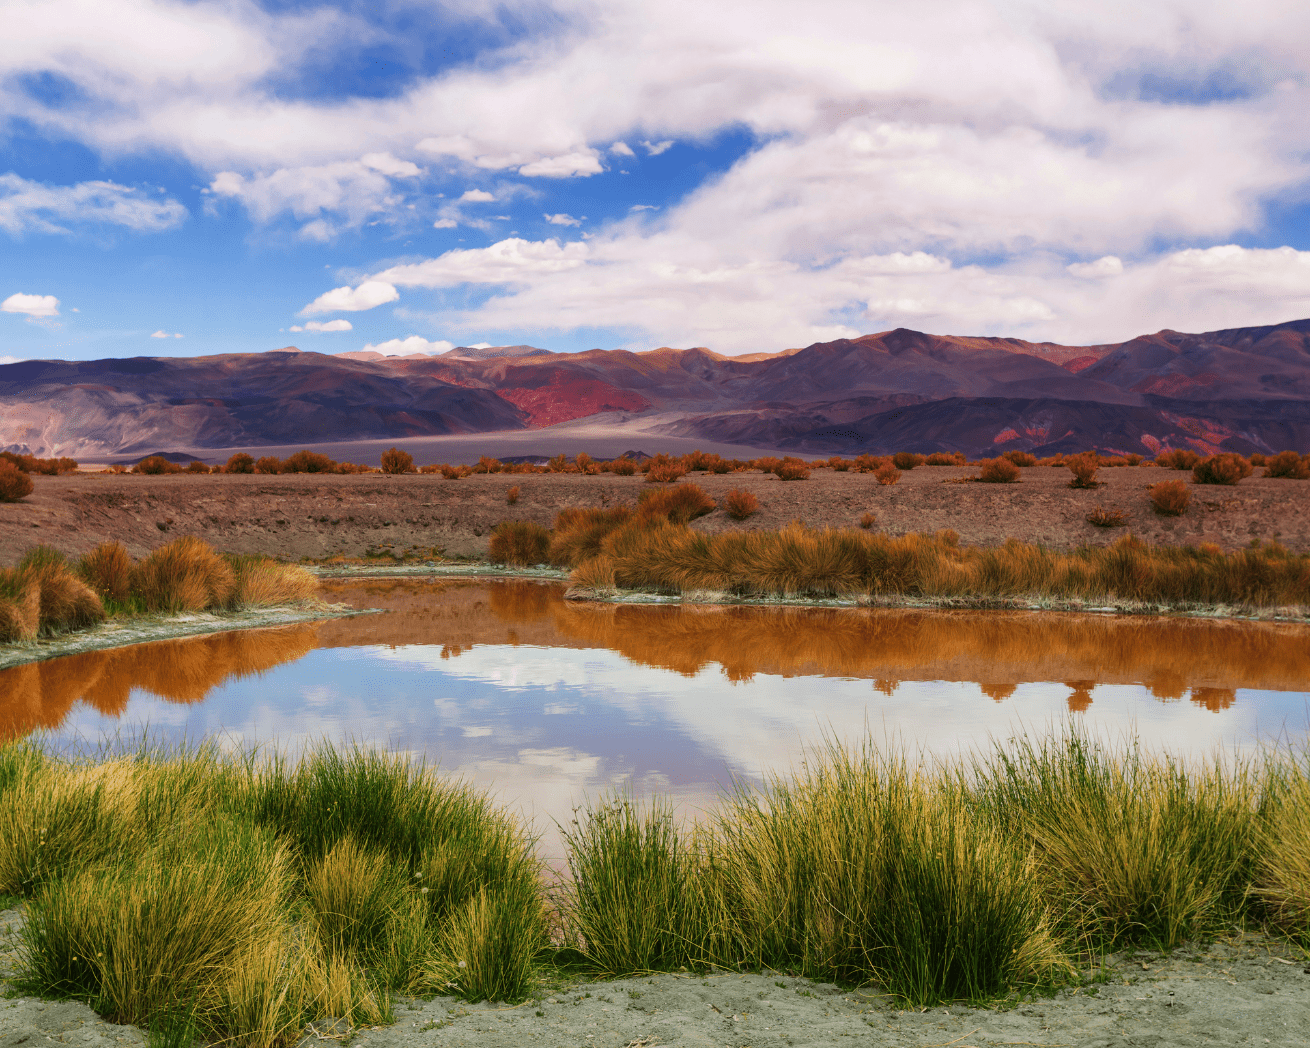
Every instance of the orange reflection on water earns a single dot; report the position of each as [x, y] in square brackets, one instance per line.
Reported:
[40, 695]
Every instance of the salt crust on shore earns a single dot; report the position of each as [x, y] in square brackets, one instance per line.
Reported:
[1244, 990]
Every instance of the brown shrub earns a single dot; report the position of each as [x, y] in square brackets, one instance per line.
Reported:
[1132, 459]
[699, 461]
[720, 466]
[678, 504]
[1287, 464]
[1227, 468]
[307, 461]
[945, 458]
[395, 461]
[998, 471]
[14, 483]
[107, 569]
[511, 495]
[558, 464]
[352, 467]
[31, 464]
[1021, 458]
[739, 504]
[793, 471]
[665, 472]
[766, 463]
[184, 575]
[196, 466]
[839, 464]
[868, 520]
[1083, 467]
[261, 582]
[1177, 458]
[64, 600]
[268, 464]
[240, 463]
[487, 464]
[1107, 518]
[579, 532]
[455, 472]
[887, 474]
[1051, 460]
[154, 465]
[1170, 497]
[623, 467]
[522, 542]
[906, 460]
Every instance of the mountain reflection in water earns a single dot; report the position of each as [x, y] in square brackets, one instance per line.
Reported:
[1171, 658]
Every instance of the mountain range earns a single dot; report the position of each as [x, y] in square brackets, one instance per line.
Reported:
[1240, 389]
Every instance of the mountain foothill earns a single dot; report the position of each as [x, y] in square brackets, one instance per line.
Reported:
[1240, 389]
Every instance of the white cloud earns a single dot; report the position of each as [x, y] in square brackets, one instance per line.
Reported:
[656, 148]
[320, 326]
[1106, 266]
[507, 262]
[444, 223]
[644, 207]
[569, 165]
[355, 190]
[161, 333]
[32, 305]
[622, 149]
[477, 196]
[34, 207]
[386, 164]
[405, 347]
[562, 220]
[369, 294]
[10, 360]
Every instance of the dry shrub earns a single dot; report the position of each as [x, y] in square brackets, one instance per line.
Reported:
[1170, 498]
[1107, 518]
[154, 465]
[665, 472]
[678, 504]
[906, 460]
[1286, 464]
[14, 483]
[31, 464]
[945, 458]
[196, 466]
[396, 461]
[868, 520]
[721, 466]
[699, 461]
[262, 582]
[887, 474]
[998, 471]
[511, 495]
[1227, 468]
[522, 542]
[65, 601]
[579, 532]
[1084, 468]
[1021, 458]
[739, 504]
[240, 463]
[184, 575]
[107, 569]
[307, 461]
[1051, 460]
[487, 464]
[623, 467]
[268, 464]
[839, 464]
[1177, 458]
[766, 463]
[792, 471]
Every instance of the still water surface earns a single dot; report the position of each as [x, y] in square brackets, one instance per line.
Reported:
[548, 702]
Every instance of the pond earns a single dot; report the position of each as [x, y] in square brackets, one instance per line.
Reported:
[547, 702]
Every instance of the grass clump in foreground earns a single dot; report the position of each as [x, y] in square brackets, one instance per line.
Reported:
[252, 898]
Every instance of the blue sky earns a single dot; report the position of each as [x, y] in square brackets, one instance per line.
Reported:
[190, 178]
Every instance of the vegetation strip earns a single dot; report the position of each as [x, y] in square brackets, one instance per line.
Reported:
[238, 899]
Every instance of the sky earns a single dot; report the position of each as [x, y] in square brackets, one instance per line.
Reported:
[188, 178]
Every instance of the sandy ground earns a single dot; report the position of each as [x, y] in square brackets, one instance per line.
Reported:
[308, 515]
[1246, 990]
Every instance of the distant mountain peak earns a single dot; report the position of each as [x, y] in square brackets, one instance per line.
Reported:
[492, 352]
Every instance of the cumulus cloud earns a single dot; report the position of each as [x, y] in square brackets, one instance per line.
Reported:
[322, 327]
[570, 165]
[477, 196]
[35, 207]
[562, 220]
[32, 305]
[509, 261]
[444, 223]
[1106, 266]
[404, 347]
[161, 333]
[369, 294]
[656, 148]
[622, 149]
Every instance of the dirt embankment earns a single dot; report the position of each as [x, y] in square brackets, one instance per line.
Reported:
[311, 515]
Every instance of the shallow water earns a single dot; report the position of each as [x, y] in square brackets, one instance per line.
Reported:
[548, 702]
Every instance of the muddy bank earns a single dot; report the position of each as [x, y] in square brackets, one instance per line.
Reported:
[425, 516]
[1247, 989]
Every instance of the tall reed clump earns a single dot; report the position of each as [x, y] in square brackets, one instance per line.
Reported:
[248, 898]
[1130, 847]
[1282, 873]
[184, 575]
[521, 542]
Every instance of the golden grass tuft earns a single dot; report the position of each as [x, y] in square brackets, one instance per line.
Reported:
[521, 542]
[184, 575]
[678, 504]
[261, 582]
[1282, 875]
[1170, 498]
[107, 569]
[579, 533]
